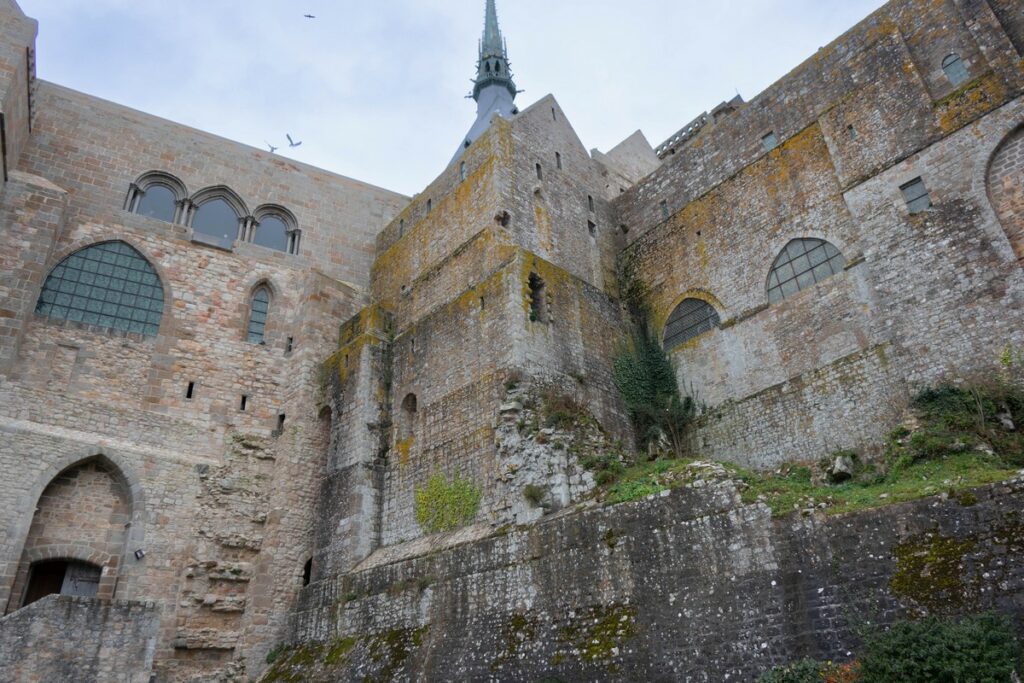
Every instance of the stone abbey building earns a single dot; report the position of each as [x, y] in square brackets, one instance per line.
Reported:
[226, 376]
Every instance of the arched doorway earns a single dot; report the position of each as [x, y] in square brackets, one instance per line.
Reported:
[77, 538]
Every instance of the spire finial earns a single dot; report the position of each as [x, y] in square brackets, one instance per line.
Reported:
[493, 69]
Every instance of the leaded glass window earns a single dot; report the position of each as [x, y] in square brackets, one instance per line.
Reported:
[108, 285]
[690, 319]
[258, 315]
[157, 201]
[802, 264]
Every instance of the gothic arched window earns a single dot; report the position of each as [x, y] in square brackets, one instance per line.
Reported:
[157, 195]
[216, 218]
[258, 309]
[108, 285]
[801, 264]
[274, 227]
[690, 319]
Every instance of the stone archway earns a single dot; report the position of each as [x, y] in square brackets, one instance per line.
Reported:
[81, 521]
[1005, 184]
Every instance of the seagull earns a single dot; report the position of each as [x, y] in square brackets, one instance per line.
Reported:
[292, 143]
[272, 148]
[309, 16]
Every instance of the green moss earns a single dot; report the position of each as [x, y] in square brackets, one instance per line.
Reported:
[929, 571]
[444, 505]
[392, 649]
[291, 665]
[519, 630]
[598, 635]
[338, 651]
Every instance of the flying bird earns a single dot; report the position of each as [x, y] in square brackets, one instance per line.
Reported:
[292, 143]
[309, 16]
[272, 148]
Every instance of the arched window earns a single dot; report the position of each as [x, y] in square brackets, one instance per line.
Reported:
[158, 201]
[954, 68]
[272, 233]
[108, 285]
[157, 195]
[217, 218]
[691, 318]
[487, 67]
[258, 314]
[801, 264]
[274, 227]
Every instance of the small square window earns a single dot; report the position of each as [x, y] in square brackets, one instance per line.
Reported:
[770, 141]
[916, 195]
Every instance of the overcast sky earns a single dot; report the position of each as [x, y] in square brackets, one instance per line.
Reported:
[375, 90]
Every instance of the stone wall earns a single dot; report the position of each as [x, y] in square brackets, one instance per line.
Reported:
[61, 638]
[686, 586]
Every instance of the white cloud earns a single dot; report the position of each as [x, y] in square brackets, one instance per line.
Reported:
[376, 90]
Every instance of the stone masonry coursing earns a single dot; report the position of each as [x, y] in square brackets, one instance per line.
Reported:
[688, 586]
[398, 336]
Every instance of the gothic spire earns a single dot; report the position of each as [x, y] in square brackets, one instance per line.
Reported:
[492, 68]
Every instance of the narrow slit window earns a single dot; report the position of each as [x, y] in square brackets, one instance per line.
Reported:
[590, 202]
[430, 205]
[462, 170]
[280, 425]
[592, 228]
[664, 210]
[538, 299]
[558, 160]
[243, 403]
[190, 391]
[289, 345]
[540, 172]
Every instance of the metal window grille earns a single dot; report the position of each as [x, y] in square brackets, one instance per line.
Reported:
[109, 285]
[802, 264]
[690, 319]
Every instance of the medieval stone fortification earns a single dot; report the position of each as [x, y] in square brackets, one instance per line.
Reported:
[226, 377]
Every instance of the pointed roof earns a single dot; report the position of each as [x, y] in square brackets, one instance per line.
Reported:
[493, 68]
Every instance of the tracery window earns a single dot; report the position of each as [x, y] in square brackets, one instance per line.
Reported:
[690, 319]
[801, 264]
[258, 310]
[108, 285]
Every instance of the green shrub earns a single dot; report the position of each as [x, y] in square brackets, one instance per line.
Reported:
[980, 649]
[444, 505]
[804, 671]
[534, 494]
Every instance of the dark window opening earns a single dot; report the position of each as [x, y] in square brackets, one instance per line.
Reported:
[590, 202]
[540, 173]
[307, 572]
[243, 403]
[280, 425]
[487, 67]
[664, 209]
[190, 391]
[916, 195]
[158, 201]
[62, 577]
[483, 304]
[538, 299]
[503, 219]
[401, 227]
[558, 161]
[289, 345]
[430, 205]
[770, 141]
[802, 264]
[554, 116]
[851, 131]
[592, 228]
[624, 228]
[690, 319]
[407, 421]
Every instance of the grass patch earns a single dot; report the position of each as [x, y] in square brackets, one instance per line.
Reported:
[792, 489]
